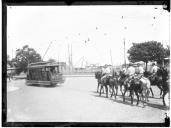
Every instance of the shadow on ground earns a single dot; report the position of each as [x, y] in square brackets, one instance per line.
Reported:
[119, 99]
[45, 86]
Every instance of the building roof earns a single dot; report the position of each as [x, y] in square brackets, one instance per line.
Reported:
[45, 64]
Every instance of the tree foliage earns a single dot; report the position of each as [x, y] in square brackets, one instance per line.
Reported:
[25, 56]
[148, 51]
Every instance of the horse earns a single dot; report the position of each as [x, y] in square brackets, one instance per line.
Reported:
[155, 81]
[113, 84]
[104, 81]
[98, 76]
[134, 85]
[163, 79]
[141, 87]
[121, 81]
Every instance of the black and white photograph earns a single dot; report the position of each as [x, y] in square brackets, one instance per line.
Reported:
[88, 63]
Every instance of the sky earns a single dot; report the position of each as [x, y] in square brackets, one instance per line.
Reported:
[96, 33]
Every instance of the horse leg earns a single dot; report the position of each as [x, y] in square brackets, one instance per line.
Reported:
[161, 90]
[131, 94]
[147, 94]
[98, 87]
[101, 89]
[136, 93]
[121, 89]
[113, 91]
[116, 87]
[143, 97]
[124, 94]
[110, 89]
[106, 91]
[152, 92]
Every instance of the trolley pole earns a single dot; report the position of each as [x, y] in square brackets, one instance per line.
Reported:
[47, 49]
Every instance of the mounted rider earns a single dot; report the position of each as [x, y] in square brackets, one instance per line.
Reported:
[154, 69]
[106, 71]
[162, 71]
[140, 71]
[130, 73]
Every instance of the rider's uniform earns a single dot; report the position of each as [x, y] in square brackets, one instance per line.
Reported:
[140, 72]
[130, 73]
[106, 72]
[154, 69]
[141, 77]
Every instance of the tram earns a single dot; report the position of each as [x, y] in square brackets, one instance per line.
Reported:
[45, 73]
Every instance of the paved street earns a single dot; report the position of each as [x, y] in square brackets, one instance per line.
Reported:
[76, 101]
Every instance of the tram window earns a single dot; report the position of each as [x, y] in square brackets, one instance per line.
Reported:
[47, 69]
[39, 74]
[52, 70]
[35, 74]
[57, 69]
[44, 76]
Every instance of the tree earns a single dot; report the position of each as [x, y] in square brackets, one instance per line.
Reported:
[8, 60]
[25, 56]
[167, 51]
[147, 51]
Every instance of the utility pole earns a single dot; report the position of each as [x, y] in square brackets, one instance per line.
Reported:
[71, 59]
[124, 54]
[111, 57]
[68, 58]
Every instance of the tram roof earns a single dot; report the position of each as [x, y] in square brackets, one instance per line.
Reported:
[44, 64]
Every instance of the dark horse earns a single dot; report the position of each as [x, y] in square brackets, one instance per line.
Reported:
[133, 85]
[160, 80]
[98, 76]
[111, 82]
[154, 80]
[121, 81]
[163, 80]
